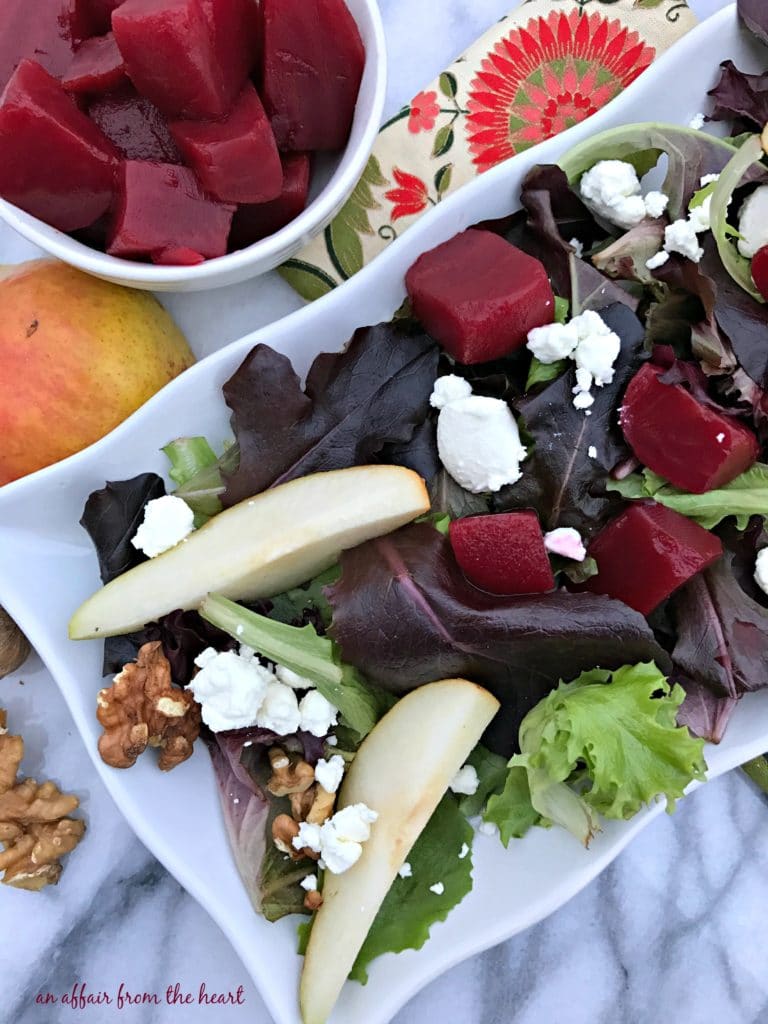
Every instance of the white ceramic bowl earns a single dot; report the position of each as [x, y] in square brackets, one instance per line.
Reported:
[333, 180]
[48, 566]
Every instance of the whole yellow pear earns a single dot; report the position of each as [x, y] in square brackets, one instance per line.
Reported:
[77, 356]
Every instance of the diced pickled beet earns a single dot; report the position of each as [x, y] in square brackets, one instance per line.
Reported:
[136, 127]
[161, 207]
[235, 159]
[191, 58]
[690, 444]
[760, 271]
[254, 221]
[479, 296]
[46, 31]
[97, 67]
[646, 553]
[99, 14]
[313, 61]
[54, 162]
[177, 257]
[503, 553]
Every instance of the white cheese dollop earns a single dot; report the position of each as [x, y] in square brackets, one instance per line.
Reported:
[567, 542]
[279, 710]
[680, 236]
[656, 203]
[438, 888]
[167, 521]
[406, 871]
[330, 773]
[657, 260]
[589, 341]
[338, 840]
[309, 883]
[317, 714]
[761, 570]
[465, 781]
[753, 222]
[230, 689]
[477, 437]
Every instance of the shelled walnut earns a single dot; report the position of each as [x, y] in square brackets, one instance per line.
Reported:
[142, 708]
[35, 828]
[14, 646]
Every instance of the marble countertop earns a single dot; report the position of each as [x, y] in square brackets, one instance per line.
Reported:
[672, 930]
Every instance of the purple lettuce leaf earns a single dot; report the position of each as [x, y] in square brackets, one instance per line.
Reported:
[111, 518]
[555, 216]
[740, 98]
[754, 14]
[560, 480]
[722, 633]
[705, 713]
[246, 813]
[184, 635]
[374, 394]
[430, 623]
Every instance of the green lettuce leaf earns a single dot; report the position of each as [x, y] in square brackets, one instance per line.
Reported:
[491, 774]
[410, 909]
[742, 498]
[511, 810]
[279, 886]
[615, 738]
[291, 606]
[197, 471]
[303, 651]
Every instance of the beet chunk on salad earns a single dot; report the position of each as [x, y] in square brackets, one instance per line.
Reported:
[511, 545]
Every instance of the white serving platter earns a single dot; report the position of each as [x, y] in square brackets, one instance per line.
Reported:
[47, 567]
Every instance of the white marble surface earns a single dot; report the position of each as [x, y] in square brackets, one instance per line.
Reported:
[672, 931]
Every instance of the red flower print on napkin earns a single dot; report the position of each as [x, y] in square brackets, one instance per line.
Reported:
[546, 77]
[424, 110]
[410, 197]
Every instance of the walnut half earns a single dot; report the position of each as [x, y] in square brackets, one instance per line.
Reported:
[35, 829]
[142, 708]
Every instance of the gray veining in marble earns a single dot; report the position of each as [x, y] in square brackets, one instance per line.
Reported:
[673, 931]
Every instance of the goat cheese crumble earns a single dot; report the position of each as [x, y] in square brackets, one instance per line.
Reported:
[339, 840]
[753, 222]
[612, 190]
[465, 781]
[309, 883]
[317, 714]
[167, 522]
[696, 122]
[330, 773]
[477, 437]
[406, 871]
[761, 570]
[230, 688]
[463, 851]
[565, 541]
[279, 710]
[438, 888]
[589, 341]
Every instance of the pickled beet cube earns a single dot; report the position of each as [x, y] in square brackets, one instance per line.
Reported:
[177, 257]
[161, 207]
[255, 221]
[479, 296]
[312, 64]
[54, 162]
[760, 271]
[690, 444]
[503, 553]
[135, 126]
[46, 31]
[646, 553]
[191, 58]
[97, 67]
[235, 159]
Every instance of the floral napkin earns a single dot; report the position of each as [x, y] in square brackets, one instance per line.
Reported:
[546, 66]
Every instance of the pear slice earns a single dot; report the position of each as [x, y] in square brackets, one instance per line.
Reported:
[260, 547]
[402, 771]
